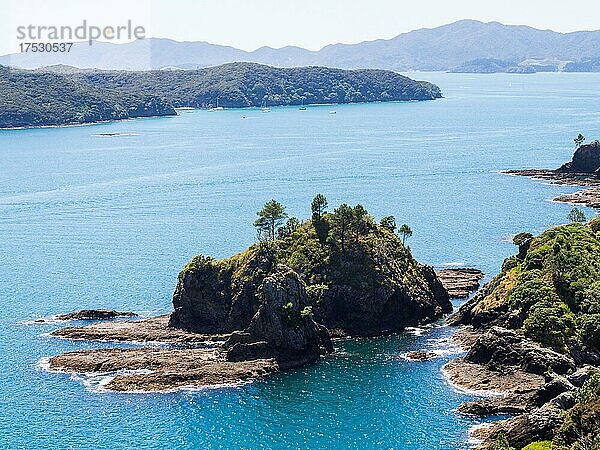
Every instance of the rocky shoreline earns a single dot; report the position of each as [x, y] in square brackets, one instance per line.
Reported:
[153, 330]
[532, 384]
[589, 197]
[583, 170]
[158, 369]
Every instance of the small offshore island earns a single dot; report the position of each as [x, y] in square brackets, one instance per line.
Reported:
[274, 306]
[60, 95]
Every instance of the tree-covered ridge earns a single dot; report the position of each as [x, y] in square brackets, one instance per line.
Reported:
[42, 98]
[46, 98]
[550, 292]
[248, 84]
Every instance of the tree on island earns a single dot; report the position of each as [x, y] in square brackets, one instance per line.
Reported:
[389, 223]
[406, 232]
[318, 206]
[577, 215]
[270, 219]
[501, 443]
[362, 221]
[342, 218]
[289, 227]
[579, 140]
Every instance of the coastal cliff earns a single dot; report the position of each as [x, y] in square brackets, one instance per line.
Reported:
[586, 160]
[535, 335]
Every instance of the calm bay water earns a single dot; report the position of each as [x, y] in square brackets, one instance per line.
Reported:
[89, 221]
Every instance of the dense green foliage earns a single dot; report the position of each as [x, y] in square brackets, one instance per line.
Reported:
[502, 443]
[247, 84]
[543, 445]
[551, 289]
[581, 427]
[577, 215]
[35, 99]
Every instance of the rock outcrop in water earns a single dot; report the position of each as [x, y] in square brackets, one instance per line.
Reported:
[586, 160]
[271, 306]
[95, 314]
[459, 283]
[582, 170]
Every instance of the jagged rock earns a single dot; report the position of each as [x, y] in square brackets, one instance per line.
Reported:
[564, 401]
[537, 425]
[500, 348]
[556, 386]
[460, 282]
[95, 314]
[420, 355]
[492, 406]
[214, 297]
[581, 375]
[283, 327]
[586, 160]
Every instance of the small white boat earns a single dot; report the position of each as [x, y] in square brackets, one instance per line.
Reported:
[265, 107]
[332, 112]
[216, 108]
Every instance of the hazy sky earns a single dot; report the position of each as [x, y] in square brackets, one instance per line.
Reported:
[249, 24]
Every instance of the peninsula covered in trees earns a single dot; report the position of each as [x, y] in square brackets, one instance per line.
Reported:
[56, 96]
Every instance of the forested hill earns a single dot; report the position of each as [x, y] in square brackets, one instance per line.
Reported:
[249, 84]
[47, 97]
[38, 99]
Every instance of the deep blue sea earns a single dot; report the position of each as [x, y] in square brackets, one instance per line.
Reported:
[90, 221]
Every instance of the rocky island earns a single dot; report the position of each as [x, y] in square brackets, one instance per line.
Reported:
[582, 170]
[53, 96]
[532, 337]
[274, 306]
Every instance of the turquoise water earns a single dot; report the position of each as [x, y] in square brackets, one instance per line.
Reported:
[88, 221]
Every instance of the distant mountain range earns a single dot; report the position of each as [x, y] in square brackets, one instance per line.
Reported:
[466, 45]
